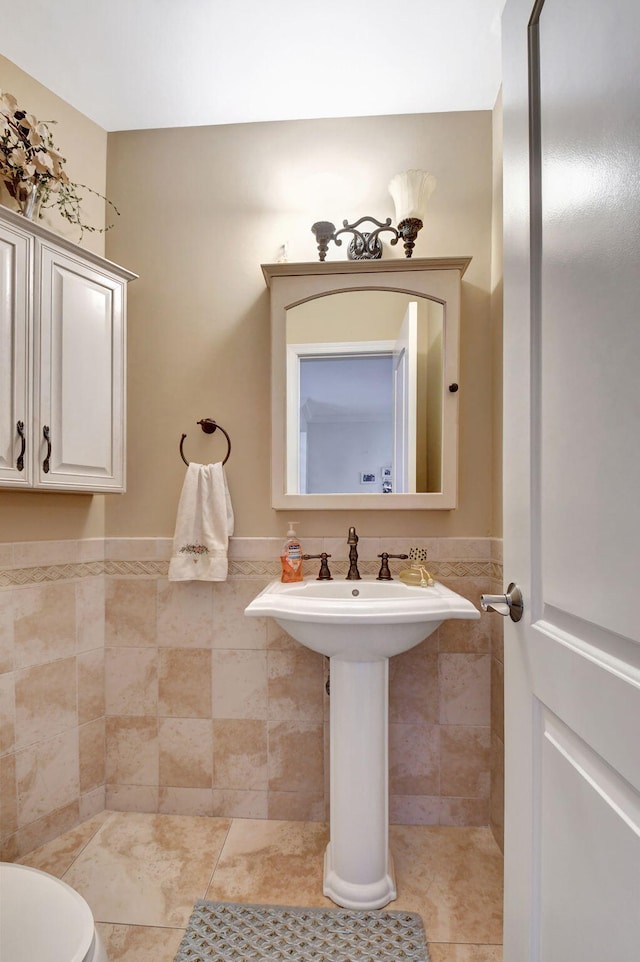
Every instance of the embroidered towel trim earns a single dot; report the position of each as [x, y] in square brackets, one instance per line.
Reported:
[204, 524]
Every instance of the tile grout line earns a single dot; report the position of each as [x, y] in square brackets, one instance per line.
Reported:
[217, 861]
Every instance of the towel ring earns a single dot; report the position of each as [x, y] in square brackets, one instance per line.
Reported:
[208, 426]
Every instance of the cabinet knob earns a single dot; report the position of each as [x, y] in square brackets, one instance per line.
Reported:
[23, 438]
[47, 436]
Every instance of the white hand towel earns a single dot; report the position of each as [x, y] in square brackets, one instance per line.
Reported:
[203, 526]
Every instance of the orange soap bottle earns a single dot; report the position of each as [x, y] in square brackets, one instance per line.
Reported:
[291, 557]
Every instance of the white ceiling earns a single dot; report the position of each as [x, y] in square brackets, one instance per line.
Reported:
[131, 64]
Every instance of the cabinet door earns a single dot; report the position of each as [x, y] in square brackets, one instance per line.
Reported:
[80, 362]
[15, 306]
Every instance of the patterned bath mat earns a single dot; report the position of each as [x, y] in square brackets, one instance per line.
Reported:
[233, 932]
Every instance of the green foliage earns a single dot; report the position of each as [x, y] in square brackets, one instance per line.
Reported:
[32, 167]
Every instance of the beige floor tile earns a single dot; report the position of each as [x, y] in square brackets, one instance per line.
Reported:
[58, 855]
[448, 952]
[453, 877]
[466, 912]
[148, 869]
[271, 862]
[139, 943]
[141, 874]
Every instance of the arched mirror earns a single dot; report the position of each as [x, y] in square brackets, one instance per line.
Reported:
[364, 383]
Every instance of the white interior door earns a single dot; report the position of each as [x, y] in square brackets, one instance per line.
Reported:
[405, 399]
[572, 477]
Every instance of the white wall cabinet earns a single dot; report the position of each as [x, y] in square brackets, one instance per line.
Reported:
[62, 363]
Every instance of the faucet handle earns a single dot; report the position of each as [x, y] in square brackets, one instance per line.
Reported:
[325, 574]
[384, 574]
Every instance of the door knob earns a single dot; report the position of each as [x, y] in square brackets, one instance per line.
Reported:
[510, 604]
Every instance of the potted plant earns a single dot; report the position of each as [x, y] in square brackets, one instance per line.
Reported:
[32, 167]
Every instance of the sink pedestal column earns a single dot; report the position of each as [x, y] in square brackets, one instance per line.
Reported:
[358, 872]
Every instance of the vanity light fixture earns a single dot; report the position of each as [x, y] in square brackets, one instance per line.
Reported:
[410, 191]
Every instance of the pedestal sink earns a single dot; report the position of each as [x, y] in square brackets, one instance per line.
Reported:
[359, 625]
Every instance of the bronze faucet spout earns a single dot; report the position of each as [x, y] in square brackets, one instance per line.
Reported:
[353, 574]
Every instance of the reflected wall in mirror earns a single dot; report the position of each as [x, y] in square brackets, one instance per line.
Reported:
[363, 354]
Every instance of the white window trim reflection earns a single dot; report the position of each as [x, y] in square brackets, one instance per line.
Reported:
[296, 353]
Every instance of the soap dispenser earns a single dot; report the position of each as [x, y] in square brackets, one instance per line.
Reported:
[291, 557]
[416, 573]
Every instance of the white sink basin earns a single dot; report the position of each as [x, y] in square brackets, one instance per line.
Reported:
[359, 620]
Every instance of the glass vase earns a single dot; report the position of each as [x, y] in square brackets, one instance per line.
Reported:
[30, 198]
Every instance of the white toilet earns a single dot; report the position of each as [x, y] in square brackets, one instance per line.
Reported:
[43, 919]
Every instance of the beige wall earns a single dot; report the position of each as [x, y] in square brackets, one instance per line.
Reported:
[81, 142]
[202, 208]
[31, 516]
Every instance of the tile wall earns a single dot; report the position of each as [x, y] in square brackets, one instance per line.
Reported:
[119, 689]
[52, 720]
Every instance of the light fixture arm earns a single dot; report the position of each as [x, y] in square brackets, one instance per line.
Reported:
[410, 191]
[366, 245]
[408, 231]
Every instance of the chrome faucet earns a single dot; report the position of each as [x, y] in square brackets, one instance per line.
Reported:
[353, 573]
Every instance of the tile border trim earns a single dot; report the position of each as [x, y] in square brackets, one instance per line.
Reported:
[18, 577]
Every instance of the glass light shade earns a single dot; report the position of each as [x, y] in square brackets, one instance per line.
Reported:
[411, 191]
